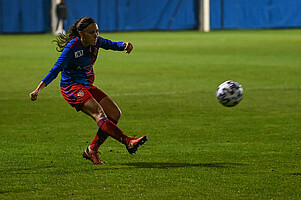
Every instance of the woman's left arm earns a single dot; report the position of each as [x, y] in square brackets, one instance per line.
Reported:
[117, 46]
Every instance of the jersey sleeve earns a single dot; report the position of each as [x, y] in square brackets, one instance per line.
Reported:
[60, 64]
[108, 44]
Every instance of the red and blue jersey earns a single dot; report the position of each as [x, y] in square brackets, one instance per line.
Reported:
[76, 62]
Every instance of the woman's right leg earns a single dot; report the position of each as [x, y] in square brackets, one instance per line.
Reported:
[112, 112]
[93, 109]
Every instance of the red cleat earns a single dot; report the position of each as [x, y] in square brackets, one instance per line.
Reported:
[93, 156]
[134, 143]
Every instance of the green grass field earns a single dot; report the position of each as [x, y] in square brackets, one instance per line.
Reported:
[197, 149]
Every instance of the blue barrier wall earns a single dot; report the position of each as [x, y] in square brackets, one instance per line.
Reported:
[24, 16]
[129, 15]
[28, 16]
[255, 14]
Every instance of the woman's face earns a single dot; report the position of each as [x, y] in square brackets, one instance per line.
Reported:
[90, 35]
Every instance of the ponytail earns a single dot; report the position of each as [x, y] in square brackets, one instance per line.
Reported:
[80, 25]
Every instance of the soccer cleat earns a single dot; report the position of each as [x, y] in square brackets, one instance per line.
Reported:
[93, 156]
[134, 143]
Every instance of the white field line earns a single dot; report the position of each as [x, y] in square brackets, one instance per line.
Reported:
[41, 96]
[151, 93]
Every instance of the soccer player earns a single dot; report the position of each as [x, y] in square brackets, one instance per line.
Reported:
[79, 49]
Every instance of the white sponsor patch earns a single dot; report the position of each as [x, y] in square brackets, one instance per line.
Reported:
[79, 53]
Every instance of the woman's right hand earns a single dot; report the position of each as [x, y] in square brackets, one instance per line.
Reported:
[34, 95]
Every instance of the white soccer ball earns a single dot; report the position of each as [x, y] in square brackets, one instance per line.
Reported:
[229, 93]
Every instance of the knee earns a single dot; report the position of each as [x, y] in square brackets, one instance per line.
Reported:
[93, 109]
[116, 115]
[97, 113]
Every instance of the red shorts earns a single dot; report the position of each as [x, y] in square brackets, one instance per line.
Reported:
[77, 94]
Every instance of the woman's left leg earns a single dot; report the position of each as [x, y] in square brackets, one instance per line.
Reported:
[113, 113]
[111, 109]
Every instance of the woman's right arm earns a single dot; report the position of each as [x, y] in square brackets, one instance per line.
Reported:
[48, 79]
[34, 95]
[58, 66]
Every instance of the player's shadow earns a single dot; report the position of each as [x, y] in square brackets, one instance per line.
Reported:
[166, 165]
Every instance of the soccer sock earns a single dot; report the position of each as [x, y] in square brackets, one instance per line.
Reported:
[100, 137]
[98, 140]
[112, 130]
[114, 121]
[94, 144]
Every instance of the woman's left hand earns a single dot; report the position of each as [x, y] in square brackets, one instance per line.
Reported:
[128, 47]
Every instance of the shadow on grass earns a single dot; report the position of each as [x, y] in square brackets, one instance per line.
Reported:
[166, 165]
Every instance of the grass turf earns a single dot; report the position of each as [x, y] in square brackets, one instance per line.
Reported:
[197, 149]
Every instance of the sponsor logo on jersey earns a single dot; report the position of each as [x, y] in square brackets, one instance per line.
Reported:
[79, 53]
[83, 67]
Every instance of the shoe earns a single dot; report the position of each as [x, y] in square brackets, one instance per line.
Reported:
[134, 143]
[93, 156]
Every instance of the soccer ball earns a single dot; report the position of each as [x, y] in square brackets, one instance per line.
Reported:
[229, 93]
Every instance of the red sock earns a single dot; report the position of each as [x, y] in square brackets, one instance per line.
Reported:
[98, 140]
[112, 130]
[94, 144]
